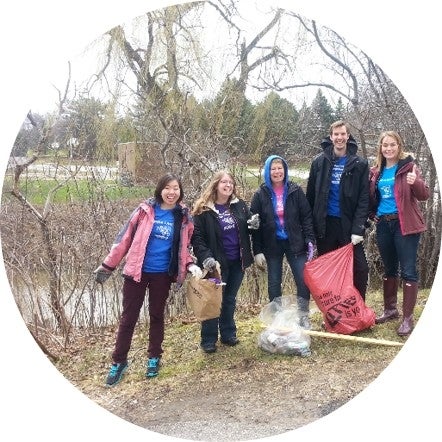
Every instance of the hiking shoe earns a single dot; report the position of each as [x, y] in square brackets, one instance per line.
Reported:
[208, 348]
[153, 367]
[231, 342]
[116, 373]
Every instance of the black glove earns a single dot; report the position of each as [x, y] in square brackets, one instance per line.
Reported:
[101, 274]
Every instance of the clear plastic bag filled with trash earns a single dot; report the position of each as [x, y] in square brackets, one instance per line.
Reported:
[282, 334]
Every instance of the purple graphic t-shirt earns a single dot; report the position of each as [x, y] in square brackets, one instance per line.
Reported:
[229, 232]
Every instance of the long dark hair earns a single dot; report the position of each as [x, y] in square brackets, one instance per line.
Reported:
[163, 182]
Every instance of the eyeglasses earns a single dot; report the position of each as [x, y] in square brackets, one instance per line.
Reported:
[227, 182]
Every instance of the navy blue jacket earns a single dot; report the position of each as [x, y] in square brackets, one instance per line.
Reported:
[353, 191]
[298, 222]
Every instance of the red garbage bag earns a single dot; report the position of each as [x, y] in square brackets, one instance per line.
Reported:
[330, 280]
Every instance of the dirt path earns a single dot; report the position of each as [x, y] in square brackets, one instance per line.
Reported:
[249, 403]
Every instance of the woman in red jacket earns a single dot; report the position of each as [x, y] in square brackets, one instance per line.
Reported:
[396, 187]
[155, 243]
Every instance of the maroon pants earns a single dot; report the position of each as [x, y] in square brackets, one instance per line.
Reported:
[158, 285]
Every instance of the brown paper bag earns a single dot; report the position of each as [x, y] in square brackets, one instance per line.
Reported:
[204, 296]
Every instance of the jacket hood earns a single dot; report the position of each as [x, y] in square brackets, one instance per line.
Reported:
[268, 162]
[149, 204]
[211, 205]
[352, 146]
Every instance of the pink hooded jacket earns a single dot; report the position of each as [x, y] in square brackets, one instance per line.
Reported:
[132, 240]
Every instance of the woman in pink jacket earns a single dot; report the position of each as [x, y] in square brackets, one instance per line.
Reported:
[396, 187]
[155, 243]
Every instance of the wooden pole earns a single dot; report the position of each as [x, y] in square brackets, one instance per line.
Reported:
[341, 336]
[352, 338]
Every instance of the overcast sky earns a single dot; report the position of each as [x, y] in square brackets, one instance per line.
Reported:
[219, 46]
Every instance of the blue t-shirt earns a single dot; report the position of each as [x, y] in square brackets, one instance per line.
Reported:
[229, 232]
[387, 203]
[333, 207]
[159, 246]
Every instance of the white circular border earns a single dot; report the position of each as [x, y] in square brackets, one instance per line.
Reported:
[37, 38]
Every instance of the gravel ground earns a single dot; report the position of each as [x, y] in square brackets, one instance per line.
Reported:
[251, 403]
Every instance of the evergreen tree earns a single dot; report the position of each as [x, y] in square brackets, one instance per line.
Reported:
[322, 112]
[340, 110]
[274, 126]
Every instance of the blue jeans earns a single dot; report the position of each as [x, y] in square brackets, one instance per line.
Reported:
[274, 271]
[232, 275]
[397, 250]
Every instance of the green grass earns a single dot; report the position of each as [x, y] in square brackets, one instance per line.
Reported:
[36, 191]
[183, 358]
[81, 190]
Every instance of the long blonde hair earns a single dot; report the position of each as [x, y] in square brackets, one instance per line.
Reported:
[379, 161]
[209, 194]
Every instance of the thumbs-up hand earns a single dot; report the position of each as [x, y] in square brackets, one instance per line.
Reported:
[411, 176]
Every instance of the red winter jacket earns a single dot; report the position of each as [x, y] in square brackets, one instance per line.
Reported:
[411, 219]
[132, 240]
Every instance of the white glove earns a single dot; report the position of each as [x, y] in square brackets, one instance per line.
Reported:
[260, 261]
[356, 239]
[253, 222]
[209, 263]
[195, 271]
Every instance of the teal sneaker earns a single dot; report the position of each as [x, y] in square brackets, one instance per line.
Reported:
[116, 373]
[153, 367]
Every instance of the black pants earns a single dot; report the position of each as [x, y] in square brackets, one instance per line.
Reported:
[335, 238]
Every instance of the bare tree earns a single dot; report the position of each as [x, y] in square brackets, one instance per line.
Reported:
[161, 63]
[41, 216]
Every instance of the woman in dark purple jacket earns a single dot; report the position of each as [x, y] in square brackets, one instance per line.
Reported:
[396, 187]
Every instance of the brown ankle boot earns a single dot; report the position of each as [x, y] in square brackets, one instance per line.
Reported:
[390, 286]
[410, 296]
